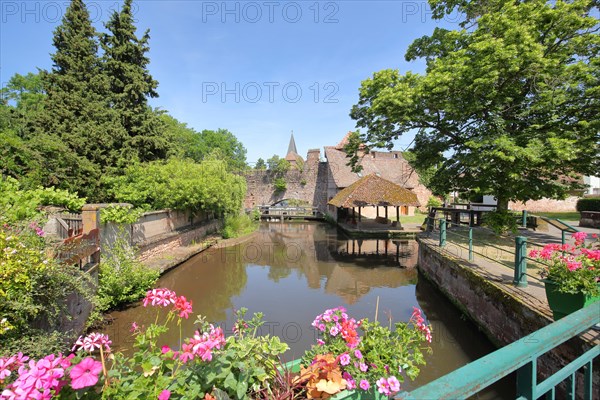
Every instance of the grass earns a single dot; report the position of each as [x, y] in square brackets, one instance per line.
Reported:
[413, 219]
[565, 216]
[238, 225]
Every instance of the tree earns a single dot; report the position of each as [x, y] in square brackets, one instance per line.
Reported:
[508, 105]
[131, 85]
[277, 165]
[232, 150]
[260, 164]
[76, 131]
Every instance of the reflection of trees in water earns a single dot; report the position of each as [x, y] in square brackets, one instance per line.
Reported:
[318, 251]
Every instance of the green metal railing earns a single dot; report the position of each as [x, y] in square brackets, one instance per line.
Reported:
[522, 357]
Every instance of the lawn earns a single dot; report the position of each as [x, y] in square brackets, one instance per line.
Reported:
[565, 216]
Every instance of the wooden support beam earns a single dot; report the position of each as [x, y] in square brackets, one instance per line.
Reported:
[397, 214]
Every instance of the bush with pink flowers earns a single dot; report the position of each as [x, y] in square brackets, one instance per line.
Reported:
[376, 360]
[573, 268]
[240, 366]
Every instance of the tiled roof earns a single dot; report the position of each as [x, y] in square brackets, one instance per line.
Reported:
[373, 190]
[388, 165]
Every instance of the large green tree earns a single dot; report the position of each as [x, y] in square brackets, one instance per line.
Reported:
[126, 63]
[76, 130]
[508, 105]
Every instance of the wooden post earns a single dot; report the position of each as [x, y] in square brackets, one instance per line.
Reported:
[397, 213]
[386, 213]
[377, 208]
[359, 213]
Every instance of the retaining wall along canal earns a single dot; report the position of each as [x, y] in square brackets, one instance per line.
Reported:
[497, 308]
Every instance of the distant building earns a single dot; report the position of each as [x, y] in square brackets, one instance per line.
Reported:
[389, 165]
[292, 155]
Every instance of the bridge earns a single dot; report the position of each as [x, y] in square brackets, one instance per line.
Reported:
[279, 213]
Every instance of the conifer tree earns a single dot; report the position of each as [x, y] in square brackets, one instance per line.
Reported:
[77, 131]
[131, 84]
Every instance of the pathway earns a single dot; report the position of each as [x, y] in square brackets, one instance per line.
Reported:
[533, 295]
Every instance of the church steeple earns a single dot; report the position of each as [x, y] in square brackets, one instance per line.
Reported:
[292, 145]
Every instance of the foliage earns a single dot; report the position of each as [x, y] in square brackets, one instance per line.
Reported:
[588, 204]
[34, 288]
[78, 135]
[434, 202]
[508, 104]
[575, 269]
[379, 357]
[322, 377]
[180, 185]
[17, 204]
[278, 166]
[280, 185]
[228, 146]
[125, 61]
[260, 164]
[236, 225]
[120, 214]
[122, 278]
[501, 221]
[241, 366]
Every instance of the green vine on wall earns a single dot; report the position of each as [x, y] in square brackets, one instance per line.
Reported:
[120, 214]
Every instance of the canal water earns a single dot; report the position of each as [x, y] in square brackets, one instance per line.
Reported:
[292, 272]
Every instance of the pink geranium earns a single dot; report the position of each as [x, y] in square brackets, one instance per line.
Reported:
[85, 373]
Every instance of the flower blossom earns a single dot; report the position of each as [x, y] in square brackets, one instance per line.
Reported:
[85, 373]
[93, 341]
[161, 297]
[364, 384]
[345, 359]
[164, 395]
[183, 306]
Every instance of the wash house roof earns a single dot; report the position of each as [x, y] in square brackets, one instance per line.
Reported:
[373, 190]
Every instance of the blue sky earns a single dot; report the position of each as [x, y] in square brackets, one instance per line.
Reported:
[258, 68]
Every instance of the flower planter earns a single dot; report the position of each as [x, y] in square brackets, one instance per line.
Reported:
[563, 304]
[371, 394]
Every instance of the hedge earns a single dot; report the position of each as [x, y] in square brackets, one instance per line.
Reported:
[588, 204]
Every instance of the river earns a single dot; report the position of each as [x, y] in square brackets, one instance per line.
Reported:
[292, 272]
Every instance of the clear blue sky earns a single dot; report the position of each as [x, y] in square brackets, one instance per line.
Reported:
[258, 68]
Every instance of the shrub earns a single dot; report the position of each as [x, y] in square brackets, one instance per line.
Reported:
[34, 289]
[501, 221]
[434, 202]
[122, 278]
[239, 225]
[588, 204]
[17, 204]
[280, 185]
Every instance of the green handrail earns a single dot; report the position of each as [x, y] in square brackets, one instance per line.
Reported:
[520, 356]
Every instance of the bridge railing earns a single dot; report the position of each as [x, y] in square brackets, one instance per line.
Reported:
[522, 357]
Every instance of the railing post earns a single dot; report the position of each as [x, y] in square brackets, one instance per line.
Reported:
[470, 244]
[524, 219]
[442, 232]
[527, 381]
[520, 278]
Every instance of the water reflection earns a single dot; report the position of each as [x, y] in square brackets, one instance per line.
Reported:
[292, 272]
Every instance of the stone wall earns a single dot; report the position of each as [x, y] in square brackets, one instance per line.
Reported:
[172, 240]
[546, 205]
[308, 184]
[503, 317]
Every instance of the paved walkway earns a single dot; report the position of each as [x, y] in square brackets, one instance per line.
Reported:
[533, 294]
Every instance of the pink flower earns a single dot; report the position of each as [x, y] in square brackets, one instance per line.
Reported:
[383, 386]
[183, 306]
[164, 395]
[573, 265]
[165, 349]
[364, 384]
[579, 237]
[320, 342]
[350, 384]
[85, 373]
[394, 384]
[134, 327]
[162, 297]
[334, 330]
[363, 367]
[357, 354]
[345, 359]
[93, 341]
